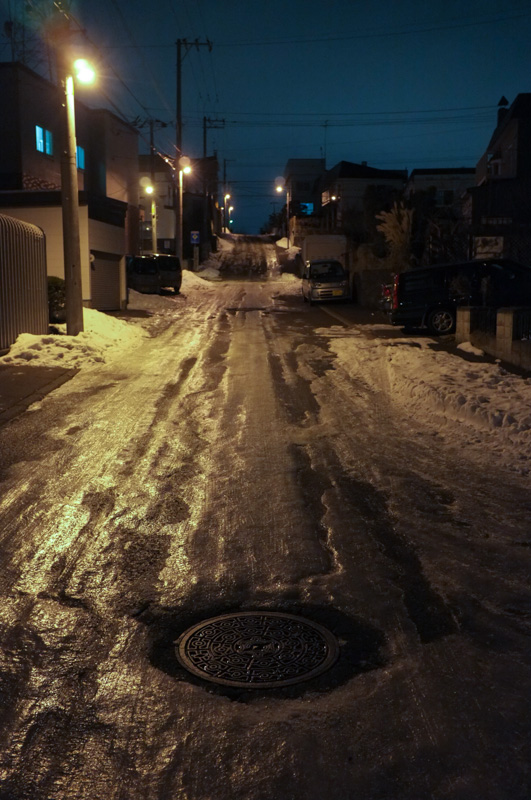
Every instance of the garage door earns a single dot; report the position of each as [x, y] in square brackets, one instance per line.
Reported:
[105, 282]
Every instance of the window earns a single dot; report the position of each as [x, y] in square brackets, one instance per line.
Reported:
[43, 140]
[80, 157]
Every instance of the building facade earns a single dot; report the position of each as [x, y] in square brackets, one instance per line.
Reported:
[501, 200]
[31, 130]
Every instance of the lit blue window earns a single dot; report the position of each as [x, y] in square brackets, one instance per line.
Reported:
[80, 157]
[43, 140]
[39, 133]
[48, 142]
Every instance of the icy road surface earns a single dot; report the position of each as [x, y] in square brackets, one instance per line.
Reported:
[248, 452]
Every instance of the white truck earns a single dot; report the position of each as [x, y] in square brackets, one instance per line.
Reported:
[317, 246]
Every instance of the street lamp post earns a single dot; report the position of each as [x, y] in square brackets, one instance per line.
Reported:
[70, 204]
[184, 169]
[281, 187]
[151, 191]
[226, 197]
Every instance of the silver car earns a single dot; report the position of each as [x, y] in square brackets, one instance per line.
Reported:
[325, 280]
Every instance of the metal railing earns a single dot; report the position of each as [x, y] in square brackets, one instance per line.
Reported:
[522, 324]
[23, 282]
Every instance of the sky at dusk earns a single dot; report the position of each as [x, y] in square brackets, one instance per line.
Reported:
[397, 83]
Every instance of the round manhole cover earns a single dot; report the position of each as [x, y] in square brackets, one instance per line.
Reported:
[257, 649]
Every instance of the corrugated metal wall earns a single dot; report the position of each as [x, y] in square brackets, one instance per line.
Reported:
[23, 282]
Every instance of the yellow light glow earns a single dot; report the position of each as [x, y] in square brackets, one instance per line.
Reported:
[149, 189]
[84, 71]
[187, 170]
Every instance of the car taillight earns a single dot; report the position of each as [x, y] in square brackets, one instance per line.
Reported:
[395, 292]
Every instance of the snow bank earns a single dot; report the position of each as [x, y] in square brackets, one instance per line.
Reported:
[225, 245]
[438, 388]
[103, 338]
[291, 251]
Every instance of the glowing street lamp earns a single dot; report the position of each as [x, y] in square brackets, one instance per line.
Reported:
[225, 198]
[70, 200]
[84, 71]
[185, 167]
[280, 186]
[149, 189]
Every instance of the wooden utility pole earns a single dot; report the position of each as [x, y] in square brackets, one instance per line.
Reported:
[181, 44]
[186, 45]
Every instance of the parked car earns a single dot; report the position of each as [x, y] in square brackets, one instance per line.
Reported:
[153, 272]
[325, 279]
[429, 296]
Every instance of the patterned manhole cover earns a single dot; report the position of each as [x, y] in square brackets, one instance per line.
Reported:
[257, 649]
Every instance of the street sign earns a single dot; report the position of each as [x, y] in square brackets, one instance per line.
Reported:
[194, 237]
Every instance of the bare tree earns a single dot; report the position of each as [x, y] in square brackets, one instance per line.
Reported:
[396, 226]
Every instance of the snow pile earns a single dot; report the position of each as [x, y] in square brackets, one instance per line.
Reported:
[438, 388]
[194, 283]
[291, 251]
[288, 284]
[225, 245]
[102, 339]
[209, 269]
[468, 347]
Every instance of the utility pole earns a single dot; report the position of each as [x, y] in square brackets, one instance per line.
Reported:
[181, 44]
[210, 124]
[225, 192]
[207, 175]
[70, 206]
[154, 239]
[152, 124]
[186, 45]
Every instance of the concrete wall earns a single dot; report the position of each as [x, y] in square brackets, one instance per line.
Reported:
[501, 345]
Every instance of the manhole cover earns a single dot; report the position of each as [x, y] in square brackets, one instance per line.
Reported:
[257, 650]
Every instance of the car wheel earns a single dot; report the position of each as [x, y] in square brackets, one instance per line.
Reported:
[441, 320]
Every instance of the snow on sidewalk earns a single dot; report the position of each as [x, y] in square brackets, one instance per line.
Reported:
[437, 388]
[104, 337]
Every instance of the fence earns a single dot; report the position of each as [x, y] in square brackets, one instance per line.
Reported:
[508, 337]
[522, 324]
[23, 282]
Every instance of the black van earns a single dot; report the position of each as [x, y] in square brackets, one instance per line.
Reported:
[429, 296]
[153, 272]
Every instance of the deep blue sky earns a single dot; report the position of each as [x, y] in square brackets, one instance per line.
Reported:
[397, 83]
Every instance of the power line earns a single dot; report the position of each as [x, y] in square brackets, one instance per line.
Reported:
[367, 34]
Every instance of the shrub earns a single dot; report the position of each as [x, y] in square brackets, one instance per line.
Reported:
[56, 299]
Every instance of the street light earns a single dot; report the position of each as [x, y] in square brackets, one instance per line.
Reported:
[150, 190]
[70, 200]
[184, 169]
[227, 197]
[280, 186]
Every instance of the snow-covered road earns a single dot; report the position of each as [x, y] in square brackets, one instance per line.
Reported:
[234, 449]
